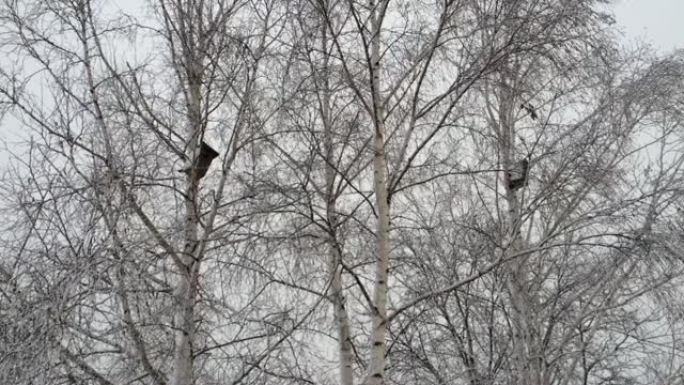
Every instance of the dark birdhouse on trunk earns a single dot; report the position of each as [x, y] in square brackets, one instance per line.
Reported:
[517, 175]
[201, 164]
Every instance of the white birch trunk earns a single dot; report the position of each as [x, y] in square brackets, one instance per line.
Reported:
[188, 267]
[342, 320]
[186, 290]
[337, 294]
[376, 367]
[525, 358]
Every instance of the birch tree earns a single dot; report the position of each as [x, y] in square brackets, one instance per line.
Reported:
[128, 248]
[570, 286]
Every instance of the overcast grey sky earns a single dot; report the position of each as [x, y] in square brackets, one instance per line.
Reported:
[660, 22]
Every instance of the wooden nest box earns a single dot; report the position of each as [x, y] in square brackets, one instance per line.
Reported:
[201, 164]
[517, 175]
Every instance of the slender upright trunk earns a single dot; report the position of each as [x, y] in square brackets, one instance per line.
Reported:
[335, 252]
[526, 370]
[186, 289]
[341, 318]
[376, 368]
[184, 298]
[188, 268]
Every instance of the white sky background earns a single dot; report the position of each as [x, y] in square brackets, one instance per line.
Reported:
[657, 22]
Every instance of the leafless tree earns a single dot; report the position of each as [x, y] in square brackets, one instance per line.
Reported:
[141, 264]
[483, 192]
